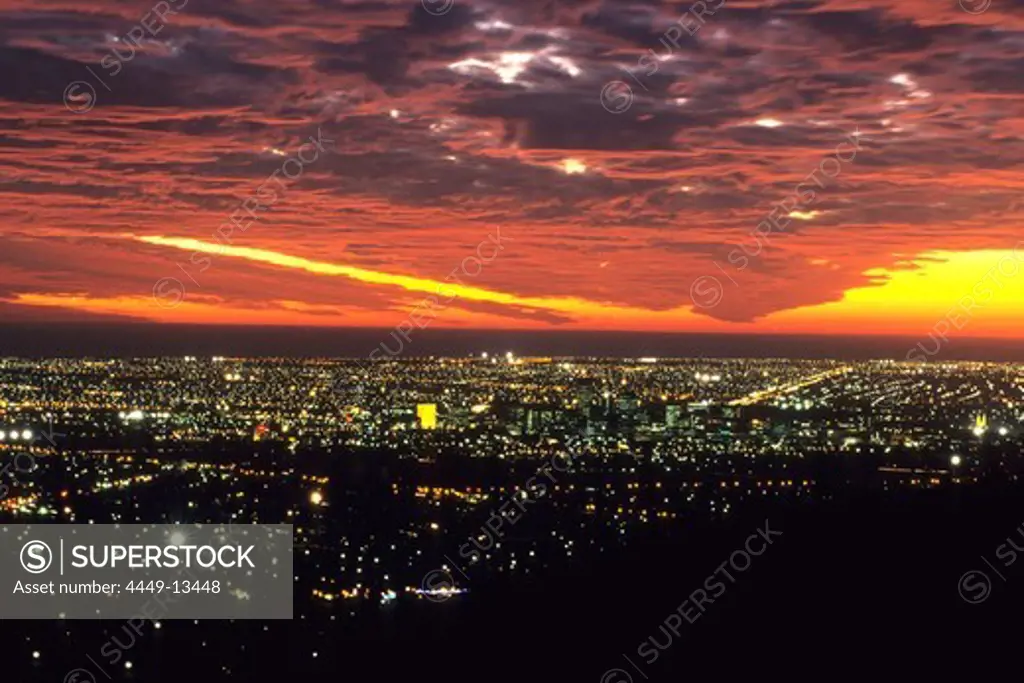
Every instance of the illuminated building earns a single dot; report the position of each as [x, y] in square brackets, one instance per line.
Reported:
[980, 425]
[672, 416]
[427, 415]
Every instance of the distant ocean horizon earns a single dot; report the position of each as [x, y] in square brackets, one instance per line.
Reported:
[40, 340]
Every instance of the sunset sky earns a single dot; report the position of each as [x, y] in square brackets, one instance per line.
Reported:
[622, 166]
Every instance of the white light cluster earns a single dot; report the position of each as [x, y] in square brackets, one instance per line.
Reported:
[15, 434]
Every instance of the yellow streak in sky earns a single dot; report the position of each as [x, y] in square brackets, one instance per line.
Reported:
[981, 290]
[445, 290]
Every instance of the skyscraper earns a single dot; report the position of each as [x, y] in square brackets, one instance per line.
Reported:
[427, 415]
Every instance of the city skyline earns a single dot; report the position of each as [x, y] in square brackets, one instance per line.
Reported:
[612, 341]
[440, 509]
[402, 341]
[715, 167]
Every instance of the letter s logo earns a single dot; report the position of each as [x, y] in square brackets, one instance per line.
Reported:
[36, 557]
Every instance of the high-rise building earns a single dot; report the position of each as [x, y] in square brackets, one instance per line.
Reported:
[539, 419]
[585, 395]
[427, 415]
[672, 413]
[980, 425]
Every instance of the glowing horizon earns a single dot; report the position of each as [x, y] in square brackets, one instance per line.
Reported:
[984, 286]
[320, 178]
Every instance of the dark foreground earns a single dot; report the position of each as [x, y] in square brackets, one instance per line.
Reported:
[865, 586]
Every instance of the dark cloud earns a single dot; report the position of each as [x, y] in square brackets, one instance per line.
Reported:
[625, 163]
